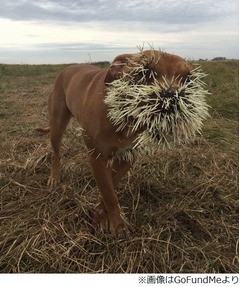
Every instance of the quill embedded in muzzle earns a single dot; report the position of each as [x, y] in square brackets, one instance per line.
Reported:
[162, 113]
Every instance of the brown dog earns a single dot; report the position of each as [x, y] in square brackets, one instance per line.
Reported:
[79, 91]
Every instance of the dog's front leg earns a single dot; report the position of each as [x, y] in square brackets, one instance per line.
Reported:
[119, 170]
[108, 211]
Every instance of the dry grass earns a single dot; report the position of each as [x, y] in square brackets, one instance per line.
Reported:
[183, 203]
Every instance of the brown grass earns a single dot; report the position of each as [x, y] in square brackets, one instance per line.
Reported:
[183, 203]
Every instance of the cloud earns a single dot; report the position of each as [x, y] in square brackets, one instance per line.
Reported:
[158, 11]
[104, 28]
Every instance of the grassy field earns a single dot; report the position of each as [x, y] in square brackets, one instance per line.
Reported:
[183, 202]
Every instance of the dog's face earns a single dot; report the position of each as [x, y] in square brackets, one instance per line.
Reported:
[166, 67]
[158, 93]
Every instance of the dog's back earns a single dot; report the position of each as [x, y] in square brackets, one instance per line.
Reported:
[77, 85]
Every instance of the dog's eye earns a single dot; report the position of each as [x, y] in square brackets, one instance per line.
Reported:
[140, 76]
[188, 78]
[147, 76]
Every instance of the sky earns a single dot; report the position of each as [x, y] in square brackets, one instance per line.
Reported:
[80, 31]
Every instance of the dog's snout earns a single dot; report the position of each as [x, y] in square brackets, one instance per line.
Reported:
[171, 92]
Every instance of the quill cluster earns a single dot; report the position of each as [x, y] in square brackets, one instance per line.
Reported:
[154, 111]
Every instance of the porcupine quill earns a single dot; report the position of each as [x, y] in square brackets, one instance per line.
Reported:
[168, 118]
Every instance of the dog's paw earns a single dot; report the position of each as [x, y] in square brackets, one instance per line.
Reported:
[113, 222]
[119, 226]
[52, 181]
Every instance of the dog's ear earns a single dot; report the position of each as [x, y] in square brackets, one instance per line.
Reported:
[122, 63]
[114, 71]
[118, 66]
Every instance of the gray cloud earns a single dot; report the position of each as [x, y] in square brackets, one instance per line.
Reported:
[192, 28]
[161, 11]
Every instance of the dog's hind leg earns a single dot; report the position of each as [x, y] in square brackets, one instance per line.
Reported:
[59, 116]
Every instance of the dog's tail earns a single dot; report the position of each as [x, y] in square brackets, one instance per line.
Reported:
[43, 130]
